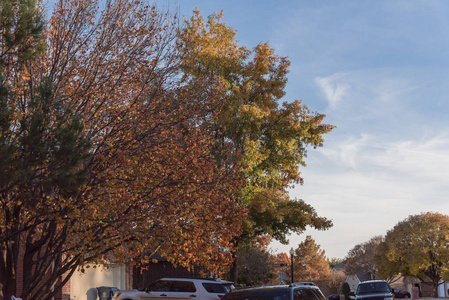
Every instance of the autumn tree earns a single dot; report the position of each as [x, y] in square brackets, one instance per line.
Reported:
[337, 275]
[102, 152]
[281, 261]
[335, 280]
[266, 139]
[309, 262]
[417, 247]
[361, 257]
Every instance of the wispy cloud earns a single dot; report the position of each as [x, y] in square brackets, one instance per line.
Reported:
[366, 185]
[333, 90]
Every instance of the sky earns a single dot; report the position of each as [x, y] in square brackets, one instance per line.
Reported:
[379, 70]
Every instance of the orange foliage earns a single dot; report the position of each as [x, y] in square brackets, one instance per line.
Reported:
[151, 180]
[153, 184]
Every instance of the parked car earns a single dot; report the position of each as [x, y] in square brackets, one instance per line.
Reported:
[401, 294]
[295, 291]
[373, 290]
[180, 289]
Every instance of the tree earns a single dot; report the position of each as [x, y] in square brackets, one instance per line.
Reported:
[102, 155]
[310, 263]
[282, 263]
[20, 33]
[336, 280]
[265, 140]
[41, 159]
[361, 257]
[334, 261]
[417, 247]
[337, 276]
[255, 266]
[41, 149]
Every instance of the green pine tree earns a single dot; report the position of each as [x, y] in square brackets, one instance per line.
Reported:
[21, 26]
[43, 155]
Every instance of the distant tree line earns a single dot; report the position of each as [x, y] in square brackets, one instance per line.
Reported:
[416, 247]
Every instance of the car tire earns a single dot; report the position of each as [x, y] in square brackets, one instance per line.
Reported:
[406, 296]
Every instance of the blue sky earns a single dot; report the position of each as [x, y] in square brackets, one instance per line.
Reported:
[379, 70]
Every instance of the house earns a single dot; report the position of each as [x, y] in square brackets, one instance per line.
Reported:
[354, 279]
[412, 285]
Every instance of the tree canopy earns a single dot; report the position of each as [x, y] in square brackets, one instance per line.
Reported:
[361, 257]
[102, 155]
[417, 247]
[334, 261]
[265, 138]
[255, 266]
[125, 133]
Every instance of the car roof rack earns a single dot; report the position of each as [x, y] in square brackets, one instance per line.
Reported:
[302, 283]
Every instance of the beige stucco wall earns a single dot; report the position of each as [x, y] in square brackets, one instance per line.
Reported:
[83, 285]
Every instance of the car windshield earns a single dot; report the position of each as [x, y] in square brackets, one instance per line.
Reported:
[372, 287]
[307, 294]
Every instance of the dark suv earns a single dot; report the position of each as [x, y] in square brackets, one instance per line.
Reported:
[374, 290]
[295, 291]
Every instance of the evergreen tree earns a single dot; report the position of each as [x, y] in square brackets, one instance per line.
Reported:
[254, 265]
[21, 26]
[43, 155]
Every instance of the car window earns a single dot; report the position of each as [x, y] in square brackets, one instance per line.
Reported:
[217, 288]
[183, 286]
[160, 286]
[306, 294]
[319, 295]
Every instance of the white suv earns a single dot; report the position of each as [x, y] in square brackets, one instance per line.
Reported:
[179, 289]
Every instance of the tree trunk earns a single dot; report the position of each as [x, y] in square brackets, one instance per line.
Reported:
[233, 271]
[9, 252]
